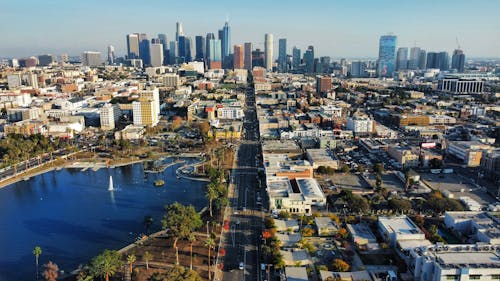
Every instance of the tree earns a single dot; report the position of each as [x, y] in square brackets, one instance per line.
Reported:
[361, 168]
[343, 233]
[400, 205]
[191, 239]
[180, 221]
[340, 265]
[307, 232]
[37, 251]
[344, 169]
[209, 243]
[148, 221]
[147, 257]
[378, 181]
[106, 264]
[176, 273]
[436, 163]
[51, 271]
[176, 123]
[211, 194]
[378, 168]
[131, 260]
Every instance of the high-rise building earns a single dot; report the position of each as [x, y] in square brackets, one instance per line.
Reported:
[178, 31]
[133, 46]
[386, 55]
[248, 56]
[439, 60]
[422, 59]
[458, 60]
[225, 38]
[166, 53]
[215, 60]
[64, 58]
[109, 115]
[268, 50]
[209, 37]
[402, 59]
[46, 60]
[185, 49]
[324, 65]
[282, 59]
[414, 58]
[323, 84]
[156, 54]
[146, 111]
[200, 48]
[173, 52]
[295, 58]
[309, 59]
[144, 53]
[258, 58]
[239, 57]
[358, 69]
[91, 58]
[111, 54]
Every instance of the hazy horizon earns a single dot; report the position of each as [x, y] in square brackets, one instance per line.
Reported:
[336, 29]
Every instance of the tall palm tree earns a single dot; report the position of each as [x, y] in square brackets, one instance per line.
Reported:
[106, 264]
[211, 195]
[37, 251]
[191, 239]
[147, 257]
[130, 260]
[209, 243]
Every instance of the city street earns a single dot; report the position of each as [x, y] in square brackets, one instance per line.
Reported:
[242, 241]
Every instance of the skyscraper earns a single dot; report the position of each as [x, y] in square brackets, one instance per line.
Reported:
[309, 59]
[173, 52]
[46, 60]
[144, 53]
[358, 69]
[156, 54]
[439, 60]
[111, 54]
[248, 56]
[282, 63]
[184, 49]
[226, 44]
[239, 55]
[422, 59]
[200, 48]
[178, 30]
[268, 50]
[133, 46]
[215, 54]
[258, 58]
[163, 40]
[414, 57]
[91, 58]
[402, 59]
[458, 60]
[386, 55]
[295, 58]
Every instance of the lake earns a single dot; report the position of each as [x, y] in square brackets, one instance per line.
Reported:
[72, 216]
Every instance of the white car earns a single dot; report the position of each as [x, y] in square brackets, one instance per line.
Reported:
[242, 266]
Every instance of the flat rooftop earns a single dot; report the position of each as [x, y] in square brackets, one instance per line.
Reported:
[400, 225]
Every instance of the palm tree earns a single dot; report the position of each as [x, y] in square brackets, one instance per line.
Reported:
[148, 221]
[106, 264]
[130, 260]
[37, 251]
[209, 243]
[211, 195]
[147, 257]
[191, 239]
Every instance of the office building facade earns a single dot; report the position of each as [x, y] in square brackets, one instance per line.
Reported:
[248, 56]
[282, 58]
[386, 55]
[402, 59]
[458, 61]
[156, 54]
[239, 57]
[268, 50]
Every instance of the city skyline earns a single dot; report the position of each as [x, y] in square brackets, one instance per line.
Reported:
[334, 29]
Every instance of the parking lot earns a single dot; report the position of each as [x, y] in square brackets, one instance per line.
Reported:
[457, 185]
[350, 181]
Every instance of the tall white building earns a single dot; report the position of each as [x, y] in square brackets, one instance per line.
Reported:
[146, 111]
[268, 51]
[111, 54]
[156, 51]
[90, 58]
[413, 62]
[109, 115]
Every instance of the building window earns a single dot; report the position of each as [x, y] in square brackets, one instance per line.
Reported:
[495, 277]
[474, 277]
[451, 277]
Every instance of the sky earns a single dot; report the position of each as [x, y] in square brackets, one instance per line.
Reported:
[335, 28]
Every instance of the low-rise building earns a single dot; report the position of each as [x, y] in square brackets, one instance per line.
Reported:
[322, 157]
[294, 273]
[296, 257]
[397, 229]
[325, 226]
[286, 225]
[296, 196]
[361, 235]
[479, 226]
[131, 132]
[470, 152]
[403, 156]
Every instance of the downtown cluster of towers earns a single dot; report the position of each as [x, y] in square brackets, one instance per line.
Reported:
[389, 60]
[215, 51]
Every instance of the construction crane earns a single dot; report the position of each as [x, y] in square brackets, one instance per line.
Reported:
[458, 43]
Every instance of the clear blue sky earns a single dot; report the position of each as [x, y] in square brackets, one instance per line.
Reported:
[335, 28]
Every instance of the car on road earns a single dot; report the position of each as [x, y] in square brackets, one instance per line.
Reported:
[242, 266]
